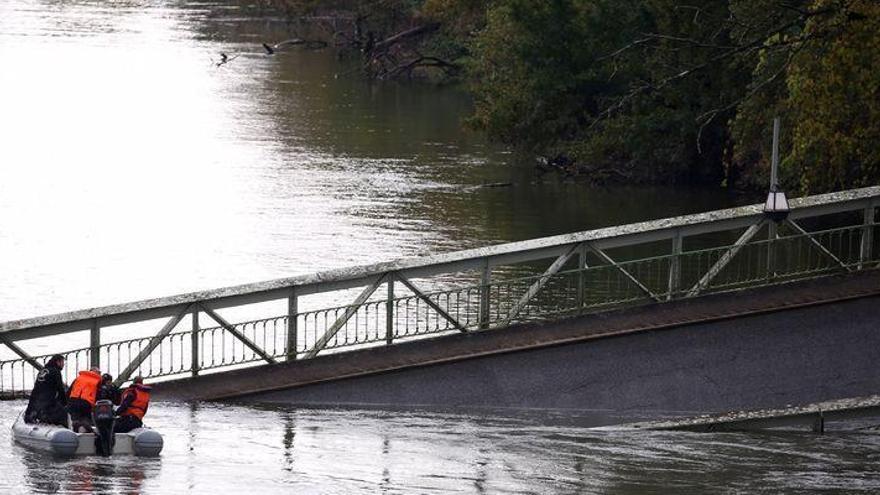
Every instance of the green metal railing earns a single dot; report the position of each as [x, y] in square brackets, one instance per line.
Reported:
[583, 284]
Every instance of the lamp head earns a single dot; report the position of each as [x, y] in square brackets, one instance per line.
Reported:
[776, 206]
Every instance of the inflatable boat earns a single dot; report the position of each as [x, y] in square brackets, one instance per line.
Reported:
[63, 441]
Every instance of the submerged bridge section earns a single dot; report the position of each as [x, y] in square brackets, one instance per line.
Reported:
[764, 348]
[810, 416]
[386, 323]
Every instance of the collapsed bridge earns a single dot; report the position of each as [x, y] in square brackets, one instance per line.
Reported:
[553, 322]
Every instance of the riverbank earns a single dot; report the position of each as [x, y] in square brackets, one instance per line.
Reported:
[661, 94]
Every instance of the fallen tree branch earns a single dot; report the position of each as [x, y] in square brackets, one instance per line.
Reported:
[422, 61]
[384, 45]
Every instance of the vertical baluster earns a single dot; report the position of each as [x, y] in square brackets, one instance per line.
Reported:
[389, 312]
[222, 346]
[454, 298]
[313, 333]
[140, 366]
[324, 327]
[213, 347]
[171, 339]
[292, 337]
[867, 241]
[406, 316]
[234, 345]
[276, 335]
[470, 306]
[246, 352]
[194, 343]
[274, 339]
[436, 315]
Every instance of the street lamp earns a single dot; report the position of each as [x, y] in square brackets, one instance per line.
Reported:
[776, 206]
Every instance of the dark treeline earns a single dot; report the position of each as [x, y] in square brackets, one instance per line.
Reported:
[645, 90]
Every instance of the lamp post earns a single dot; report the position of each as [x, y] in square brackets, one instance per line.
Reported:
[776, 206]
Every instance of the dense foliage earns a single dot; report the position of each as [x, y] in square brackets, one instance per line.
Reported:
[656, 90]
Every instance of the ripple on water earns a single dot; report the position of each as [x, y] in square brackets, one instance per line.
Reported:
[217, 448]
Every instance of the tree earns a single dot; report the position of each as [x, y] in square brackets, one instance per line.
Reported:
[834, 97]
[651, 90]
[580, 80]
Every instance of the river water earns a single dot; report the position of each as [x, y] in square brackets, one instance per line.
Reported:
[215, 449]
[132, 165]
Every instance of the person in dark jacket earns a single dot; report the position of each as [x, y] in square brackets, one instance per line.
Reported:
[108, 391]
[49, 396]
[135, 400]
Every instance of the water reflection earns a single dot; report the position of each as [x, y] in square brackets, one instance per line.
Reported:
[287, 418]
[385, 484]
[47, 474]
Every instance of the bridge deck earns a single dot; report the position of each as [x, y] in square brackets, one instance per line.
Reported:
[812, 416]
[332, 367]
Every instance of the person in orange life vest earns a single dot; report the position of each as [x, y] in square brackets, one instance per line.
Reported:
[81, 399]
[135, 401]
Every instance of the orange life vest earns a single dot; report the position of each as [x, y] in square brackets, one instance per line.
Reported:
[141, 400]
[85, 386]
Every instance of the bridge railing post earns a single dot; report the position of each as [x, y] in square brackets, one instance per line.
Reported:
[389, 312]
[194, 343]
[292, 330]
[582, 278]
[865, 251]
[485, 280]
[95, 344]
[675, 267]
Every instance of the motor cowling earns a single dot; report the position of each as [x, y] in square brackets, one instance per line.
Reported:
[102, 415]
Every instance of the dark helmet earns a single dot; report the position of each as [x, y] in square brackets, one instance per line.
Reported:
[106, 378]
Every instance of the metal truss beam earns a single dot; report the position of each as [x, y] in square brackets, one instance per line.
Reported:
[607, 259]
[540, 283]
[235, 333]
[440, 311]
[20, 352]
[818, 244]
[349, 312]
[725, 259]
[151, 346]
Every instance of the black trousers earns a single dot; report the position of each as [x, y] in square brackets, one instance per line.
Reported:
[126, 423]
[80, 414]
[53, 414]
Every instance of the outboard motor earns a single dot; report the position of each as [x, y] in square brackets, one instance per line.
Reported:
[102, 414]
